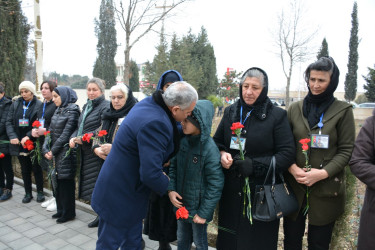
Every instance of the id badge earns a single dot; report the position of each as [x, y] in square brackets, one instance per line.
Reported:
[319, 141]
[42, 123]
[23, 122]
[235, 143]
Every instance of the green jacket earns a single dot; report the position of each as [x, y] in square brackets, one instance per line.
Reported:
[326, 197]
[195, 172]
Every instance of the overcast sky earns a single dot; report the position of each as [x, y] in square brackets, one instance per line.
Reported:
[239, 30]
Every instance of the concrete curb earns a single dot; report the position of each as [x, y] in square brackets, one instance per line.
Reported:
[79, 205]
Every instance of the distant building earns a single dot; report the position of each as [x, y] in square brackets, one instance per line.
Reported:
[141, 74]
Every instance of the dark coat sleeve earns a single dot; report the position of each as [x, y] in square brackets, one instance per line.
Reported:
[9, 122]
[69, 128]
[4, 118]
[362, 163]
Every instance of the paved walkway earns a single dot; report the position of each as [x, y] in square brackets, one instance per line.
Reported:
[29, 226]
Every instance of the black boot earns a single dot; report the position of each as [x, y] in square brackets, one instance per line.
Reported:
[94, 223]
[164, 245]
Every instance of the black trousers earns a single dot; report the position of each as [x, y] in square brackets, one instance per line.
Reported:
[7, 169]
[26, 168]
[318, 237]
[65, 198]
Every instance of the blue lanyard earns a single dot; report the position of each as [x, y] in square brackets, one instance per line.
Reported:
[320, 124]
[248, 114]
[44, 108]
[25, 109]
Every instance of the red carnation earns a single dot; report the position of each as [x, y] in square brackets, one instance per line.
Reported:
[29, 145]
[305, 147]
[102, 133]
[304, 141]
[182, 213]
[87, 137]
[236, 125]
[47, 132]
[2, 155]
[36, 124]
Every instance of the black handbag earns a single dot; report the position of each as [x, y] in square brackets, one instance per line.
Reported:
[273, 201]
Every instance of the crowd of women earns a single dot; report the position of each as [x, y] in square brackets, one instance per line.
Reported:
[268, 132]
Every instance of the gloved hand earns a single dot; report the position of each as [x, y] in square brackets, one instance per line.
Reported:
[244, 167]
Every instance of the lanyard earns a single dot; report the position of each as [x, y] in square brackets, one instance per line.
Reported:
[248, 114]
[25, 109]
[44, 108]
[320, 124]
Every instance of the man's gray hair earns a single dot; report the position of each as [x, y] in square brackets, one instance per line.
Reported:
[122, 87]
[97, 81]
[253, 73]
[180, 94]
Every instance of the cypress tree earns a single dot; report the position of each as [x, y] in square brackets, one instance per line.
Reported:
[370, 85]
[105, 66]
[134, 76]
[323, 51]
[13, 44]
[351, 76]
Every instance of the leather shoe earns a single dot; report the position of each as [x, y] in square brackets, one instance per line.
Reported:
[94, 223]
[40, 197]
[27, 198]
[56, 215]
[63, 219]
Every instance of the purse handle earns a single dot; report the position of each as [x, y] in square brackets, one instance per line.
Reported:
[272, 168]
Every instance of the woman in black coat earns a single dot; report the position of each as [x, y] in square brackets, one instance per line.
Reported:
[44, 116]
[5, 158]
[22, 114]
[267, 133]
[89, 122]
[63, 124]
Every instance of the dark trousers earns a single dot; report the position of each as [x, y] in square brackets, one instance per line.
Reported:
[318, 237]
[7, 169]
[111, 237]
[65, 198]
[26, 168]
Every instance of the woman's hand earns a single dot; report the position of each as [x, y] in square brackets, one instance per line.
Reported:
[15, 141]
[226, 159]
[167, 164]
[297, 172]
[106, 148]
[314, 175]
[35, 133]
[72, 142]
[99, 152]
[41, 131]
[48, 155]
[24, 140]
[198, 219]
[173, 197]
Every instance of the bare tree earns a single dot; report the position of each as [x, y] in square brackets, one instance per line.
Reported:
[140, 16]
[292, 42]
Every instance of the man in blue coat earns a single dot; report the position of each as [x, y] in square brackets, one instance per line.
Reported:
[146, 139]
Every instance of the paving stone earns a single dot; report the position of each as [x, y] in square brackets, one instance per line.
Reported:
[70, 247]
[67, 234]
[34, 232]
[56, 244]
[9, 237]
[44, 238]
[89, 245]
[15, 222]
[57, 228]
[24, 227]
[79, 239]
[34, 246]
[18, 244]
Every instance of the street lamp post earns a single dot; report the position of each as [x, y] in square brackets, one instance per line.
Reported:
[38, 46]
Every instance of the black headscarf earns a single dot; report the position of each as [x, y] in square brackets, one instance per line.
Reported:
[115, 114]
[262, 103]
[66, 94]
[315, 105]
